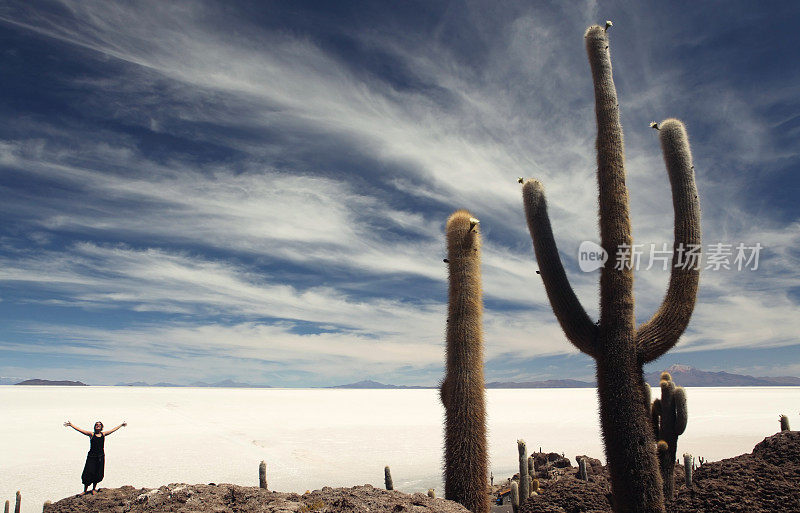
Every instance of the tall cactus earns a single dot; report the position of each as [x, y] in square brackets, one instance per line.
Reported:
[669, 422]
[462, 392]
[524, 484]
[618, 347]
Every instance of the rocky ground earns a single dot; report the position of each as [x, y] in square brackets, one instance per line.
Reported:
[766, 480]
[228, 498]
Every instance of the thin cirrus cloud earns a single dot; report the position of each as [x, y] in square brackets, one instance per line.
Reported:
[282, 217]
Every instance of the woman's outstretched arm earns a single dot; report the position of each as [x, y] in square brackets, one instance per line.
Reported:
[105, 433]
[76, 428]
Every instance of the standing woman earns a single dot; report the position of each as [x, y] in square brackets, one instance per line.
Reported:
[96, 459]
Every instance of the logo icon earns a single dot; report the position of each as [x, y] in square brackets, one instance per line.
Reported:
[591, 256]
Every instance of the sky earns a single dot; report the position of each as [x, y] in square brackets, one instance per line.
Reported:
[198, 191]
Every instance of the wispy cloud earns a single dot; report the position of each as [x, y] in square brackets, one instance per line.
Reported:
[241, 183]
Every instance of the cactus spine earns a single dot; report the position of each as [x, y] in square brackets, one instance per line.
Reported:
[262, 475]
[462, 392]
[688, 466]
[618, 347]
[582, 473]
[387, 478]
[524, 484]
[669, 422]
[515, 496]
[784, 423]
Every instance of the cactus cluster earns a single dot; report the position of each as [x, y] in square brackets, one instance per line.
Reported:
[462, 390]
[619, 348]
[669, 415]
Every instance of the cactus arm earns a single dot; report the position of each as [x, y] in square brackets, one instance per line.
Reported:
[616, 285]
[577, 326]
[681, 412]
[661, 332]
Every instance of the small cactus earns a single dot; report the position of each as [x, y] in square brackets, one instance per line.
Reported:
[531, 466]
[7, 508]
[524, 485]
[583, 475]
[431, 493]
[669, 421]
[784, 423]
[688, 465]
[387, 477]
[262, 475]
[515, 496]
[18, 504]
[535, 487]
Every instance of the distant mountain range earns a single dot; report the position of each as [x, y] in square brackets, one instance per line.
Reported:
[219, 384]
[683, 375]
[374, 384]
[52, 383]
[687, 376]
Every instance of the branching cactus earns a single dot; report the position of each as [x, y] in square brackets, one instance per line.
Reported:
[669, 422]
[462, 392]
[387, 478]
[524, 485]
[618, 347]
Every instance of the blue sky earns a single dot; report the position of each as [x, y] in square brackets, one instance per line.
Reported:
[258, 190]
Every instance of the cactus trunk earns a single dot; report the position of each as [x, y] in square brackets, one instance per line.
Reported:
[618, 347]
[462, 391]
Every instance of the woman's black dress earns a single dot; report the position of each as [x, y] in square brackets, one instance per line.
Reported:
[95, 461]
